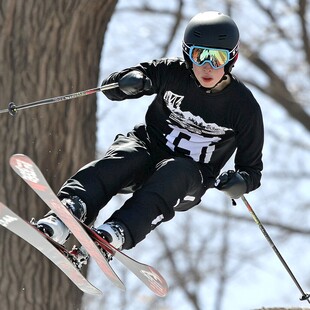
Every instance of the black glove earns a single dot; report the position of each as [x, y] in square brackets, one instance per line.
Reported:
[134, 82]
[232, 183]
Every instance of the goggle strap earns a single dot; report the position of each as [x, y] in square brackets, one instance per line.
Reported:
[186, 48]
[234, 51]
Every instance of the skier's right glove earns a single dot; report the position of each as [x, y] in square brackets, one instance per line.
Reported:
[232, 183]
[134, 82]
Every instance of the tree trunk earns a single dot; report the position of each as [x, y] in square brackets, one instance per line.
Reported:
[47, 48]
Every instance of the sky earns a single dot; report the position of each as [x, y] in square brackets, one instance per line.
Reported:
[263, 282]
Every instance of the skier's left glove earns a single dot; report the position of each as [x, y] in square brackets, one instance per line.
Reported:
[134, 82]
[232, 183]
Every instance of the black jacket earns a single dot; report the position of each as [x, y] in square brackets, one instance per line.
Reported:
[186, 120]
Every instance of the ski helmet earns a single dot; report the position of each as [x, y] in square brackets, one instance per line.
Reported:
[214, 30]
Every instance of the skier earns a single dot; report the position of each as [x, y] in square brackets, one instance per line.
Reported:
[200, 117]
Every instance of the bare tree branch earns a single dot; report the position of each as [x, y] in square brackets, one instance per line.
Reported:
[277, 88]
[223, 272]
[304, 30]
[178, 18]
[283, 227]
[179, 275]
[269, 12]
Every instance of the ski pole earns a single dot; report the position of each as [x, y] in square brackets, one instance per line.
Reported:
[13, 108]
[262, 228]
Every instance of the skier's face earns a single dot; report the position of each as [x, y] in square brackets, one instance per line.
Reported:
[207, 76]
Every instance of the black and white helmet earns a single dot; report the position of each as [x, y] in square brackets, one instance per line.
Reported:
[214, 30]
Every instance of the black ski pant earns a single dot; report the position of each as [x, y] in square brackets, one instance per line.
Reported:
[159, 188]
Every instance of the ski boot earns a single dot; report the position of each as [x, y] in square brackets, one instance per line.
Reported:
[51, 225]
[114, 233]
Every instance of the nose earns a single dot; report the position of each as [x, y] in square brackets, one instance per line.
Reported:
[207, 67]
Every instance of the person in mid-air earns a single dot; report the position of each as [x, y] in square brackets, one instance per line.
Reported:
[202, 115]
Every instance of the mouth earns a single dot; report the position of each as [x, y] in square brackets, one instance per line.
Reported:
[207, 79]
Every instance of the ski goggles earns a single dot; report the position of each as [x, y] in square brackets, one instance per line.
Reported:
[216, 57]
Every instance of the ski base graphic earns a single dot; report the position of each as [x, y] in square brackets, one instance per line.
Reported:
[91, 242]
[59, 255]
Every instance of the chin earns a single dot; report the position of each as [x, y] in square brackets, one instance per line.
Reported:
[207, 85]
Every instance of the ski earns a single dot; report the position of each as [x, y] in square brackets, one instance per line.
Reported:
[32, 175]
[65, 260]
[147, 274]
[91, 241]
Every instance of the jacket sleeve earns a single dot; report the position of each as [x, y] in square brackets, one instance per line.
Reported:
[250, 140]
[155, 70]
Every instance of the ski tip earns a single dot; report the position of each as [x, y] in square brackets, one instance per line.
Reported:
[156, 282]
[19, 155]
[16, 157]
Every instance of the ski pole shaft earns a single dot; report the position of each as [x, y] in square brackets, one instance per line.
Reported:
[271, 243]
[13, 108]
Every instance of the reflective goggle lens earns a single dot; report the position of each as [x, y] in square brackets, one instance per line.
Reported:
[217, 58]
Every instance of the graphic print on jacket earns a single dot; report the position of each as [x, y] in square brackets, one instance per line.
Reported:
[190, 134]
